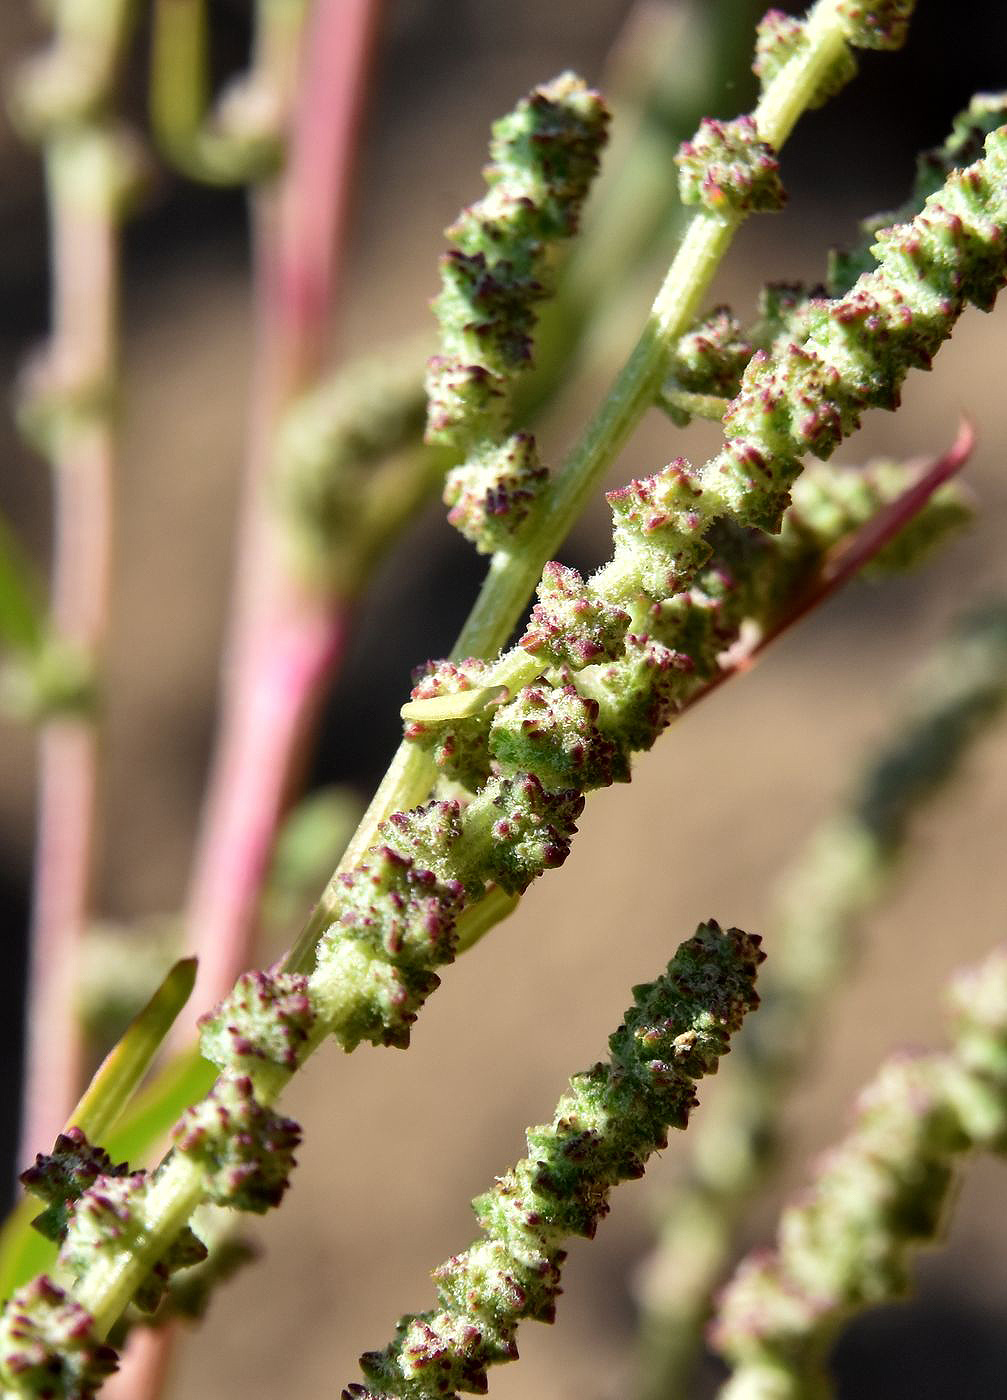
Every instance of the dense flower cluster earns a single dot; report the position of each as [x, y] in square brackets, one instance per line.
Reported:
[603, 666]
[612, 1118]
[544, 155]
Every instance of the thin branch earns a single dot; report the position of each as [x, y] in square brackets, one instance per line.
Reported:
[88, 169]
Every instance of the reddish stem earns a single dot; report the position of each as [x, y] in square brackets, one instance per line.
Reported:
[145, 1364]
[84, 344]
[853, 553]
[259, 752]
[314, 198]
[284, 642]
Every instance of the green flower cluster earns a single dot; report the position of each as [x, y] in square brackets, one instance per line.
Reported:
[93, 1208]
[707, 364]
[544, 155]
[806, 396]
[881, 1192]
[613, 1117]
[964, 144]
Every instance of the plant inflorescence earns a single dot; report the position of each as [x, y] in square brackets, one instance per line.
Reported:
[502, 745]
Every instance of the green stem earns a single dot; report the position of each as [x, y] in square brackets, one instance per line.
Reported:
[111, 1282]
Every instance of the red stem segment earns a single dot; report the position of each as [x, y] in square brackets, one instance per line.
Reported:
[853, 554]
[84, 352]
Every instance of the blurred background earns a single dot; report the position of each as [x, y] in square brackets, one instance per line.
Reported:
[396, 1145]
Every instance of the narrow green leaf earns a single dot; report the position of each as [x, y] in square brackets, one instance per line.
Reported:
[21, 614]
[128, 1061]
[23, 1251]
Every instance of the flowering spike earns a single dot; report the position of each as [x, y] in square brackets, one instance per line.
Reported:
[849, 1242]
[606, 1126]
[805, 397]
[47, 1347]
[964, 145]
[544, 156]
[573, 731]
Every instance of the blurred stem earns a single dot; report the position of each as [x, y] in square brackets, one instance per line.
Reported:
[285, 639]
[84, 191]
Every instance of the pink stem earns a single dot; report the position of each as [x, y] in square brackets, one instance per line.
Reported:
[259, 750]
[144, 1366]
[852, 554]
[84, 340]
[284, 643]
[314, 200]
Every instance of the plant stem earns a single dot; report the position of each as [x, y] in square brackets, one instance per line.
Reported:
[512, 575]
[286, 640]
[85, 295]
